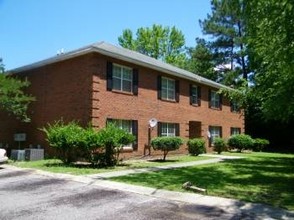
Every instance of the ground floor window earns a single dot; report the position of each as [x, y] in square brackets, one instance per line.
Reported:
[214, 132]
[168, 129]
[235, 130]
[130, 126]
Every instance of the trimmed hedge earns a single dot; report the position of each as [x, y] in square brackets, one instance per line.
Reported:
[260, 144]
[196, 146]
[219, 145]
[166, 144]
[241, 142]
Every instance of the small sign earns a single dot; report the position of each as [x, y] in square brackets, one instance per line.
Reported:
[20, 137]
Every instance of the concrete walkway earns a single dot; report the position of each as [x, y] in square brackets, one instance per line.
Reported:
[216, 159]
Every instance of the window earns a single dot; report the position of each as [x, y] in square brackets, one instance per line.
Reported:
[130, 126]
[168, 89]
[235, 107]
[214, 131]
[195, 95]
[215, 99]
[168, 129]
[235, 131]
[122, 78]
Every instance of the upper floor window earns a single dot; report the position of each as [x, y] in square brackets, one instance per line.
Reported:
[214, 99]
[168, 129]
[235, 131]
[195, 95]
[122, 78]
[235, 107]
[168, 89]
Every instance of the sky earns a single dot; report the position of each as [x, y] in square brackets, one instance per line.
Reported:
[34, 30]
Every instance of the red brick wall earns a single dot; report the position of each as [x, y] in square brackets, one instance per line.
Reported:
[116, 105]
[76, 90]
[62, 90]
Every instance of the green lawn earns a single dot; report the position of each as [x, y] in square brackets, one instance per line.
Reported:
[260, 177]
[56, 166]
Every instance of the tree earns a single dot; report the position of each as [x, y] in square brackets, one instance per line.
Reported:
[201, 60]
[226, 25]
[163, 43]
[271, 41]
[12, 97]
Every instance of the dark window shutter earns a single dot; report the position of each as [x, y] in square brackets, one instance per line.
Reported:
[109, 76]
[159, 129]
[232, 108]
[135, 133]
[135, 81]
[209, 98]
[220, 102]
[177, 126]
[177, 82]
[191, 94]
[221, 131]
[232, 131]
[159, 87]
[199, 95]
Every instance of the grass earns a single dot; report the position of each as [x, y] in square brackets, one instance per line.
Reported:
[259, 177]
[56, 166]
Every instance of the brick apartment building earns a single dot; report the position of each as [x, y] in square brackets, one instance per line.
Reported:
[102, 82]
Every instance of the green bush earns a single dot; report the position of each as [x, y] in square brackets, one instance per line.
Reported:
[241, 142]
[166, 144]
[196, 146]
[260, 144]
[219, 145]
[113, 139]
[90, 143]
[66, 138]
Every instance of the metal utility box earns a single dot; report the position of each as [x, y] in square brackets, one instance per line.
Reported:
[17, 154]
[34, 154]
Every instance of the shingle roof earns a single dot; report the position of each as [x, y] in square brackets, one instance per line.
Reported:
[125, 55]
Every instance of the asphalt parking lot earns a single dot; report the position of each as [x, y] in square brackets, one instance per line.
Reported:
[27, 195]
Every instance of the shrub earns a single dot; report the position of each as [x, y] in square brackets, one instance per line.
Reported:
[113, 139]
[241, 141]
[219, 145]
[66, 138]
[260, 144]
[196, 146]
[90, 144]
[166, 144]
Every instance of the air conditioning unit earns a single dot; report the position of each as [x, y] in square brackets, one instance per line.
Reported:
[34, 154]
[17, 154]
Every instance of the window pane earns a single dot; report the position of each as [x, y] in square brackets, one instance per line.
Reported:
[116, 71]
[163, 83]
[171, 84]
[127, 86]
[127, 75]
[116, 84]
[164, 94]
[171, 94]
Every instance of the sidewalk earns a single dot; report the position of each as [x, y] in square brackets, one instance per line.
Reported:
[216, 159]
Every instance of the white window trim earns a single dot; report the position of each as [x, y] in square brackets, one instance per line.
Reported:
[167, 89]
[215, 131]
[121, 78]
